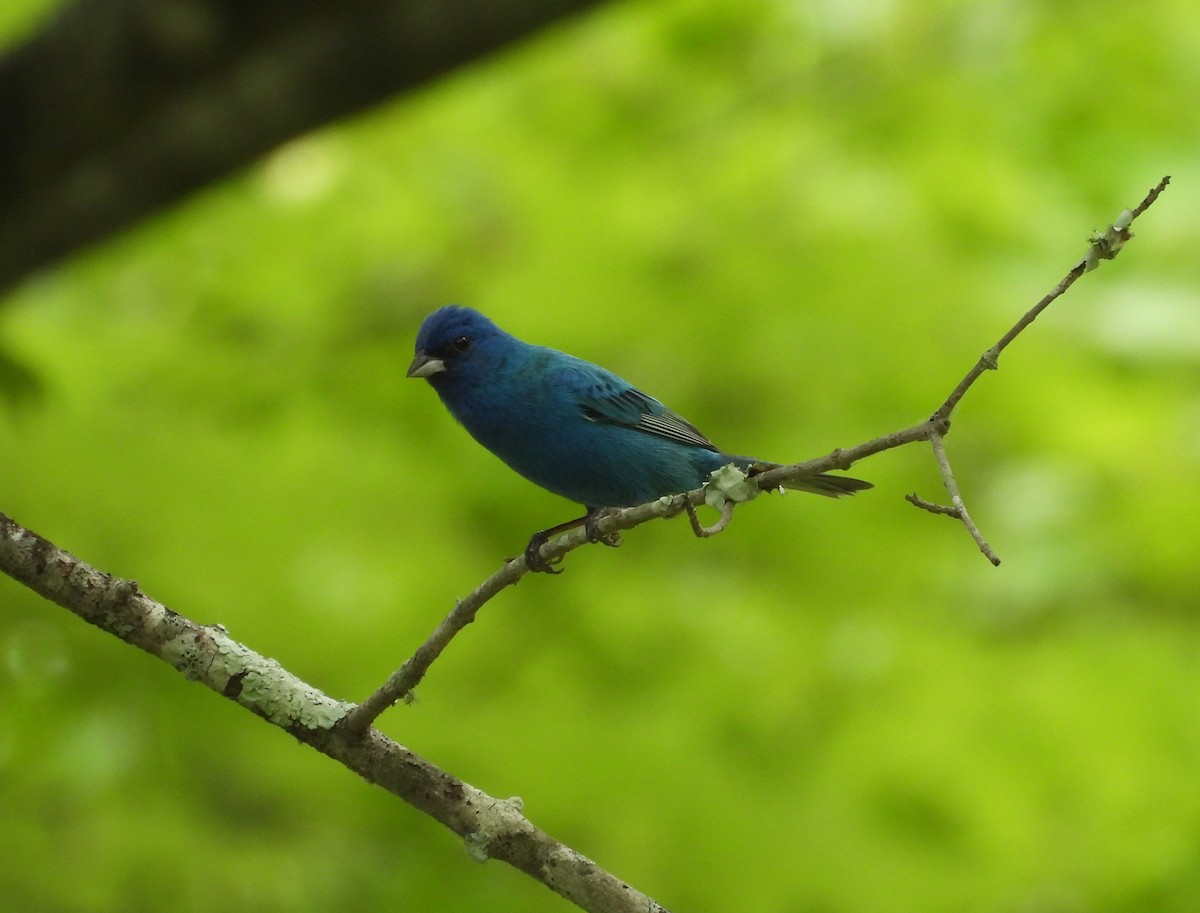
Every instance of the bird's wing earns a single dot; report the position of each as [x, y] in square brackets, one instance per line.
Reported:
[612, 400]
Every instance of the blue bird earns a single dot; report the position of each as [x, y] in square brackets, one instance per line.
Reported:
[571, 426]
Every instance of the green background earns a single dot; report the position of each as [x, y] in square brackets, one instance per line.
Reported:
[798, 224]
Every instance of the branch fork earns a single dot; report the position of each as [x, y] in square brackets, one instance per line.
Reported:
[1103, 246]
[491, 828]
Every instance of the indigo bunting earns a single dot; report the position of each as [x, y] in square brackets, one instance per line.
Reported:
[571, 426]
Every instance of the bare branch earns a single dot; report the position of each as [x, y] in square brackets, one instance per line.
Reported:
[958, 508]
[705, 532]
[1101, 247]
[1149, 199]
[400, 683]
[491, 828]
[934, 430]
[940, 509]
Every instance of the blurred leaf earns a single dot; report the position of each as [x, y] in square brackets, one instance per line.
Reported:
[798, 225]
[20, 386]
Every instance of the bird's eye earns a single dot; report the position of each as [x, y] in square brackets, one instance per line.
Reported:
[461, 344]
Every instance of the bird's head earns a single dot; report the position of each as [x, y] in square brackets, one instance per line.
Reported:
[453, 342]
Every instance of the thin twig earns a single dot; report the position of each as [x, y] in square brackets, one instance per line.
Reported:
[957, 508]
[990, 359]
[933, 430]
[400, 684]
[938, 442]
[491, 827]
[706, 532]
[1150, 198]
[941, 509]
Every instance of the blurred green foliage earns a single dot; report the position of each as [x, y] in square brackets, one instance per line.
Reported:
[798, 224]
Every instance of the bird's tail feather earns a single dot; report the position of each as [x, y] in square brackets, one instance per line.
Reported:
[830, 486]
[821, 483]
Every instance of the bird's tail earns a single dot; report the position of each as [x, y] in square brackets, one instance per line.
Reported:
[821, 483]
[830, 486]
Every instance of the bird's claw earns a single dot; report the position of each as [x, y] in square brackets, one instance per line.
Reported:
[533, 551]
[533, 555]
[592, 531]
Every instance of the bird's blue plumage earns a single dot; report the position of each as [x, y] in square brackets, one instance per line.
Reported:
[566, 424]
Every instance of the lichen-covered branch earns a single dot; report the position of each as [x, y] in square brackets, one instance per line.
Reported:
[491, 828]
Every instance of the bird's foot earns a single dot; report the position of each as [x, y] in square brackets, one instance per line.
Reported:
[592, 531]
[533, 551]
[533, 554]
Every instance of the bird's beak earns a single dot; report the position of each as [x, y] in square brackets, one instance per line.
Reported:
[425, 366]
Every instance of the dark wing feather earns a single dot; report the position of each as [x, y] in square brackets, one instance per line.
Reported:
[628, 406]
